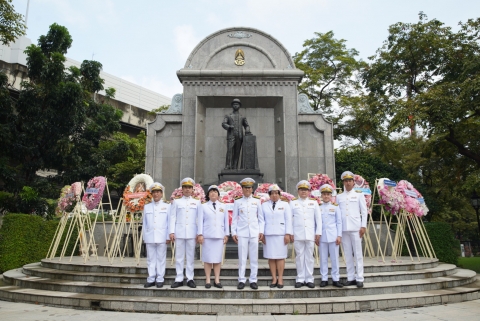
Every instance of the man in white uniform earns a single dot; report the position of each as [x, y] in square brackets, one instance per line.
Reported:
[331, 236]
[307, 229]
[247, 230]
[155, 235]
[354, 224]
[183, 230]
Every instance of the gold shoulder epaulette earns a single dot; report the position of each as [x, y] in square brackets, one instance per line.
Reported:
[197, 198]
[238, 197]
[358, 191]
[204, 202]
[257, 197]
[295, 198]
[335, 204]
[178, 197]
[168, 202]
[339, 192]
[313, 199]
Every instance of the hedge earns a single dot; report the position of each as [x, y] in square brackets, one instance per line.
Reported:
[26, 239]
[446, 247]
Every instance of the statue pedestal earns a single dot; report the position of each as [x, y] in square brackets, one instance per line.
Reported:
[237, 175]
[249, 153]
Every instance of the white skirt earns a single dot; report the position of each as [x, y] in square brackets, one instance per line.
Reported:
[275, 248]
[212, 250]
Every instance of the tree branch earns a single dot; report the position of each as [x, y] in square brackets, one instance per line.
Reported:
[462, 149]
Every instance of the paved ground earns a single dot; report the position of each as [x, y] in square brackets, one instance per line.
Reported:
[25, 312]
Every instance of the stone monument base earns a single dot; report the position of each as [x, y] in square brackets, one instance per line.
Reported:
[237, 175]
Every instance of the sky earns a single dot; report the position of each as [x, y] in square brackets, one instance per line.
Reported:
[147, 41]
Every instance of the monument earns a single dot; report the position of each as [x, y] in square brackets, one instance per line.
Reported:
[188, 140]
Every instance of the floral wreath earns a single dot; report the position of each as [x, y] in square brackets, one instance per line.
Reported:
[198, 192]
[69, 196]
[137, 194]
[230, 191]
[392, 199]
[361, 184]
[262, 192]
[94, 192]
[413, 199]
[316, 182]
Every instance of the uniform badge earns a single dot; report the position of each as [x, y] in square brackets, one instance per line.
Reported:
[163, 208]
[331, 210]
[281, 208]
[221, 210]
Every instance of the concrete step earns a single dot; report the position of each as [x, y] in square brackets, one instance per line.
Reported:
[460, 278]
[36, 269]
[175, 305]
[229, 268]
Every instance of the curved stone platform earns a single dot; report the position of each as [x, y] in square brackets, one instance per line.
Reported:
[119, 286]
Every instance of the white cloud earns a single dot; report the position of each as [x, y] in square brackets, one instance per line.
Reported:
[185, 41]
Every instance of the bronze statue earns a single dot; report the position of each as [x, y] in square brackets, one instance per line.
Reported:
[233, 123]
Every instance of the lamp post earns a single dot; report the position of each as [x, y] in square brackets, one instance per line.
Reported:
[475, 201]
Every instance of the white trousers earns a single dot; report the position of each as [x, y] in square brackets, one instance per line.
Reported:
[326, 249]
[304, 261]
[156, 258]
[184, 247]
[247, 246]
[352, 247]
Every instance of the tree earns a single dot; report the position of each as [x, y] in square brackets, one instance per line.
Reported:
[125, 156]
[55, 120]
[160, 109]
[11, 23]
[408, 64]
[330, 69]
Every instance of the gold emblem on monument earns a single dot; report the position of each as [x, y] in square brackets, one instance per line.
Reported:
[239, 57]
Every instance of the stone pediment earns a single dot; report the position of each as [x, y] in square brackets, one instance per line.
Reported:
[259, 50]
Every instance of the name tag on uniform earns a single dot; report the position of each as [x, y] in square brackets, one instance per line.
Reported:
[310, 204]
[193, 204]
[281, 208]
[163, 209]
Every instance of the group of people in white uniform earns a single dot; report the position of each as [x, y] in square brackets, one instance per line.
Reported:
[275, 223]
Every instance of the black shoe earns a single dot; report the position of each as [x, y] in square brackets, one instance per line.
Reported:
[148, 284]
[273, 285]
[217, 285]
[349, 283]
[240, 286]
[191, 284]
[254, 285]
[310, 285]
[359, 284]
[208, 285]
[298, 285]
[323, 284]
[280, 286]
[176, 285]
[159, 285]
[337, 284]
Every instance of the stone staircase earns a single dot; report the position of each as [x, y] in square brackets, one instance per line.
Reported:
[119, 286]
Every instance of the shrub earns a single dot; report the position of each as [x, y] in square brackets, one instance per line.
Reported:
[26, 239]
[446, 247]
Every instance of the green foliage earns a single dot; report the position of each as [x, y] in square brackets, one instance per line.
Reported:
[11, 23]
[55, 122]
[329, 68]
[446, 247]
[160, 109]
[26, 239]
[126, 157]
[27, 201]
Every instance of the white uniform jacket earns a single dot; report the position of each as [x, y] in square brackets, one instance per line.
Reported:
[307, 220]
[213, 223]
[277, 221]
[331, 222]
[155, 222]
[183, 217]
[354, 210]
[247, 217]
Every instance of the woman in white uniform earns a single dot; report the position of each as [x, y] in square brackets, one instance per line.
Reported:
[277, 231]
[213, 232]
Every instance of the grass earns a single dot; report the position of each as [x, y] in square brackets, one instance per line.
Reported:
[471, 263]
